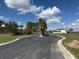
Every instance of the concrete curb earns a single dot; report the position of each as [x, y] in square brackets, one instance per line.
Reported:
[65, 52]
[14, 40]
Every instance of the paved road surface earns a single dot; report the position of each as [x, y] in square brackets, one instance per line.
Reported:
[32, 48]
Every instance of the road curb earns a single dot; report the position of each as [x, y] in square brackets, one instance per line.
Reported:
[63, 49]
[9, 42]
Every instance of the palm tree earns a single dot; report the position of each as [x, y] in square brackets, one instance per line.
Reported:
[42, 25]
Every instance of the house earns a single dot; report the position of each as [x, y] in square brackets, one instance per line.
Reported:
[2, 24]
[60, 31]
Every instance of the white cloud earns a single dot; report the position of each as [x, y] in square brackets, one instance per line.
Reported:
[49, 12]
[74, 25]
[54, 20]
[52, 28]
[36, 9]
[51, 15]
[77, 20]
[76, 13]
[77, 7]
[19, 23]
[3, 18]
[62, 23]
[22, 6]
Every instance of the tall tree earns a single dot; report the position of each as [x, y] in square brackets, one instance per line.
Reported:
[42, 25]
[7, 27]
[13, 27]
[29, 28]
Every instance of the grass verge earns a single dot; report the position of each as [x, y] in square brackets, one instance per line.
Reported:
[6, 38]
[70, 37]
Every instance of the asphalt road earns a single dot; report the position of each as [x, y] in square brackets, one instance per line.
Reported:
[32, 48]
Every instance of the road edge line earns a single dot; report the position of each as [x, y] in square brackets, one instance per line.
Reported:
[64, 50]
[9, 42]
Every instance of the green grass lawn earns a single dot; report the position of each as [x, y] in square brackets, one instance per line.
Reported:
[70, 37]
[6, 38]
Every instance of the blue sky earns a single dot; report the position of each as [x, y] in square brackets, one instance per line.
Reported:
[58, 13]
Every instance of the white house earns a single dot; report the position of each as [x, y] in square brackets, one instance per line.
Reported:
[60, 31]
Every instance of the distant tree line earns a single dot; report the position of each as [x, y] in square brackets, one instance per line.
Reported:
[10, 27]
[13, 27]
